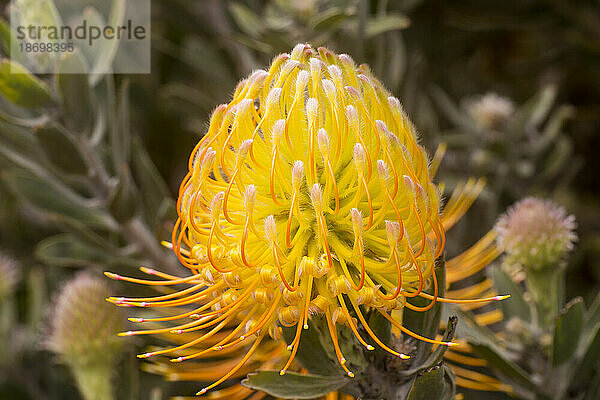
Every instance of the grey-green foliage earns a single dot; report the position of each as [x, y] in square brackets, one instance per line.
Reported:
[540, 356]
[87, 189]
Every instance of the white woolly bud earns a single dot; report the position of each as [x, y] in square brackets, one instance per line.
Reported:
[392, 229]
[316, 196]
[312, 109]
[336, 73]
[329, 89]
[273, 97]
[297, 173]
[323, 141]
[278, 130]
[359, 157]
[250, 196]
[301, 81]
[270, 229]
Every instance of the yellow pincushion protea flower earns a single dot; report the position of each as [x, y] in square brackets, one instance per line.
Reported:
[309, 194]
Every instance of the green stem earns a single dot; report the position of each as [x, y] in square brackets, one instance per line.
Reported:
[547, 288]
[94, 382]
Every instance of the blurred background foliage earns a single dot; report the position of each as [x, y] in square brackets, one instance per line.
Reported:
[90, 166]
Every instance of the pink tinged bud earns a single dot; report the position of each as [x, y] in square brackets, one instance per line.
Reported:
[297, 173]
[323, 141]
[278, 130]
[336, 73]
[329, 89]
[270, 229]
[258, 77]
[316, 196]
[353, 92]
[244, 148]
[352, 116]
[298, 50]
[392, 229]
[312, 109]
[382, 170]
[273, 97]
[381, 127]
[410, 185]
[359, 157]
[288, 67]
[357, 222]
[346, 60]
[301, 81]
[250, 196]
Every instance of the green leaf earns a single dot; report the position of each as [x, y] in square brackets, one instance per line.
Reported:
[246, 20]
[120, 131]
[390, 22]
[66, 250]
[592, 317]
[438, 354]
[317, 357]
[589, 353]
[515, 306]
[293, 385]
[60, 148]
[567, 331]
[429, 385]
[53, 198]
[153, 189]
[74, 90]
[500, 363]
[19, 86]
[108, 48]
[328, 20]
[124, 202]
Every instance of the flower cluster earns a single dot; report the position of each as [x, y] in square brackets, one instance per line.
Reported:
[536, 233]
[309, 195]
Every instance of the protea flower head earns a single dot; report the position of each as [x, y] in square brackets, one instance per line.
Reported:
[309, 194]
[490, 111]
[536, 233]
[83, 326]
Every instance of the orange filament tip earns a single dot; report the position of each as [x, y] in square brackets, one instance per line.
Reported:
[112, 275]
[282, 372]
[502, 297]
[136, 319]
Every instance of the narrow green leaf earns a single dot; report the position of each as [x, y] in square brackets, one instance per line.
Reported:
[589, 354]
[429, 385]
[66, 250]
[246, 20]
[60, 148]
[515, 306]
[52, 198]
[153, 189]
[317, 357]
[74, 90]
[436, 356]
[108, 48]
[567, 331]
[120, 131]
[124, 202]
[293, 385]
[386, 23]
[328, 19]
[19, 86]
[500, 363]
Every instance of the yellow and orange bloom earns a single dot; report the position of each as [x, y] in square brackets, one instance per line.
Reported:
[309, 194]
